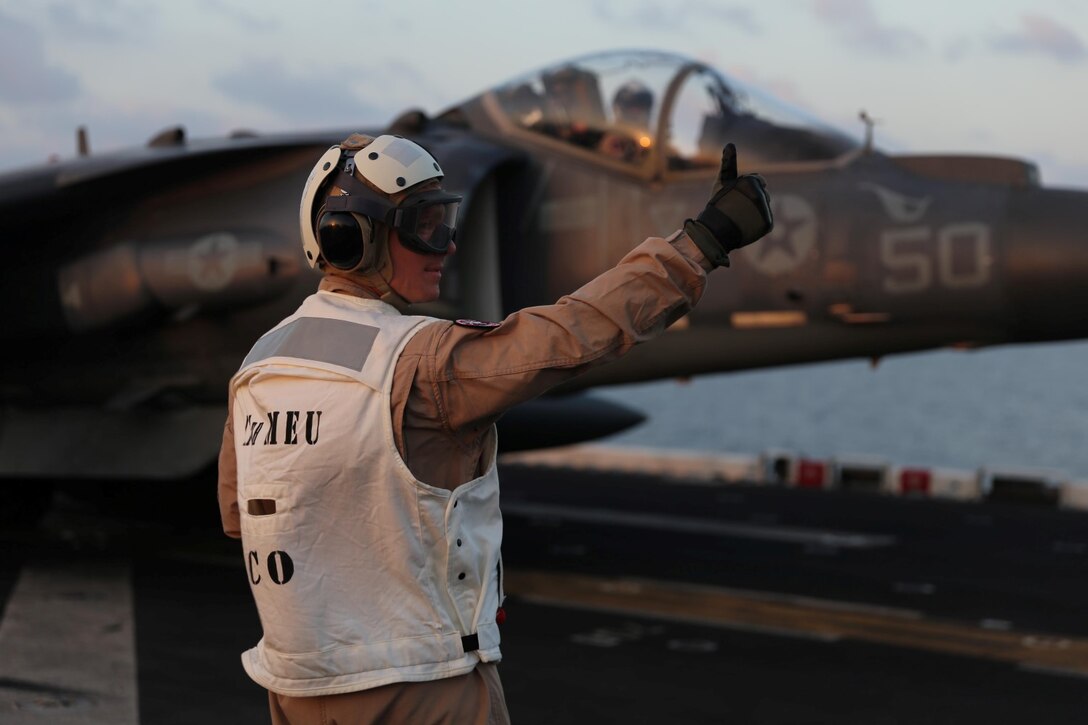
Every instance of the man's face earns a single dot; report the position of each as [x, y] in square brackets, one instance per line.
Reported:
[639, 117]
[416, 277]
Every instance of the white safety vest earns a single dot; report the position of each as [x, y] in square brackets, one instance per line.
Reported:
[363, 575]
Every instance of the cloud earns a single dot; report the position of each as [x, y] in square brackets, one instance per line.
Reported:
[1043, 36]
[106, 21]
[321, 96]
[657, 16]
[958, 48]
[26, 76]
[857, 24]
[244, 19]
[402, 85]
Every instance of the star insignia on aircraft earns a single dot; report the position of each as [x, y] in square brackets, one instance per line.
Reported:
[790, 242]
[212, 261]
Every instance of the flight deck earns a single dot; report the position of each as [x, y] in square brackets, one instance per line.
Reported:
[632, 597]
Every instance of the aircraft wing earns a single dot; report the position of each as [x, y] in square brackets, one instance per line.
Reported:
[137, 282]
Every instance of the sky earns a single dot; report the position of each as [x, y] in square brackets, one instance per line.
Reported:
[1006, 77]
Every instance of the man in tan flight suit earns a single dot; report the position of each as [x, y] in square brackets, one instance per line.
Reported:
[378, 580]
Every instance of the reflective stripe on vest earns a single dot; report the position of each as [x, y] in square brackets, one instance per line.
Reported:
[337, 342]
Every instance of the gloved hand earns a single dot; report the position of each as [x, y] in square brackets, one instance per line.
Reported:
[738, 213]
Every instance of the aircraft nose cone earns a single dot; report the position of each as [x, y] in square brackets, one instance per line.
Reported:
[1046, 267]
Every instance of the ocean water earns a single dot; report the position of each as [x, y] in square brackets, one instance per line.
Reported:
[1023, 406]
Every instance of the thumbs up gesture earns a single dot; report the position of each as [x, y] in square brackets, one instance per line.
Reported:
[738, 213]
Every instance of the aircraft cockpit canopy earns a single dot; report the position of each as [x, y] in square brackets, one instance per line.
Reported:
[658, 110]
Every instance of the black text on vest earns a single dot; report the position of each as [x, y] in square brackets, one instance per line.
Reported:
[280, 567]
[282, 428]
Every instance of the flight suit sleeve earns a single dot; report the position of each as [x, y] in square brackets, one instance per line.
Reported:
[228, 478]
[473, 375]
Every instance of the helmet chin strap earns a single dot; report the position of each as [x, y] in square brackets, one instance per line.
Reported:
[376, 279]
[390, 297]
[384, 271]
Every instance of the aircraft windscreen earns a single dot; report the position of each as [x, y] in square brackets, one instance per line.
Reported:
[606, 103]
[709, 111]
[763, 105]
[611, 104]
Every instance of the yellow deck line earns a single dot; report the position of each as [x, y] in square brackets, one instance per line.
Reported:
[805, 617]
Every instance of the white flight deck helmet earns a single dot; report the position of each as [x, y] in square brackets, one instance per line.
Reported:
[338, 228]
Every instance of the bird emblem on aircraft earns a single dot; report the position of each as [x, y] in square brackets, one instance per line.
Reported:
[900, 207]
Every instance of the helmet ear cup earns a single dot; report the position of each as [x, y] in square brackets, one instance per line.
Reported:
[342, 239]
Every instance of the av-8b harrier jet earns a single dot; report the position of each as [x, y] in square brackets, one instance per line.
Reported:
[136, 281]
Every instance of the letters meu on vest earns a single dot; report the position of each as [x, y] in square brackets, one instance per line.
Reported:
[291, 418]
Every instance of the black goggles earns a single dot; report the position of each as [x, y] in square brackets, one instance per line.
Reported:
[426, 222]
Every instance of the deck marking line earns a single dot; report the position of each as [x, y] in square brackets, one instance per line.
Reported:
[802, 617]
[685, 524]
[67, 646]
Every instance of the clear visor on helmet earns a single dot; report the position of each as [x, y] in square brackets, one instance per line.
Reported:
[426, 222]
